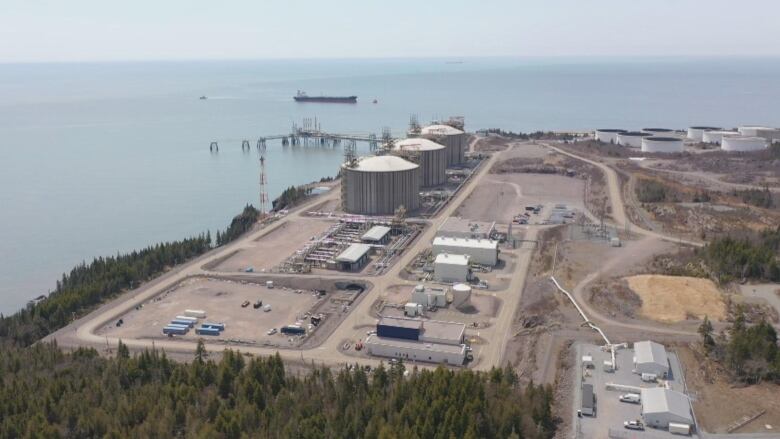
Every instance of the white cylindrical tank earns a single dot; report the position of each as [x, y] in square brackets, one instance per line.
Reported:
[752, 130]
[697, 132]
[743, 143]
[631, 139]
[716, 136]
[431, 156]
[461, 295]
[608, 135]
[451, 137]
[660, 132]
[662, 144]
[379, 185]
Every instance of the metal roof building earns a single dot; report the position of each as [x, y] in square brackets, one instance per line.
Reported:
[451, 268]
[454, 227]
[354, 257]
[376, 234]
[435, 331]
[481, 251]
[379, 185]
[650, 357]
[409, 350]
[660, 406]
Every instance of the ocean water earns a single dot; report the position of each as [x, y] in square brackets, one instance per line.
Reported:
[97, 159]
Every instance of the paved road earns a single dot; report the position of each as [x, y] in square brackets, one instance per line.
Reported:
[82, 331]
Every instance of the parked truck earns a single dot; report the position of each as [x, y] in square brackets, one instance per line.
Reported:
[205, 330]
[293, 330]
[218, 326]
[681, 429]
[186, 323]
[174, 330]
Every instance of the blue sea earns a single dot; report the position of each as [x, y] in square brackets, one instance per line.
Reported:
[97, 159]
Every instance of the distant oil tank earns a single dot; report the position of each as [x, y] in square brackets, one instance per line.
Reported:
[743, 143]
[662, 144]
[432, 158]
[631, 139]
[608, 135]
[379, 185]
[715, 136]
[696, 133]
[453, 138]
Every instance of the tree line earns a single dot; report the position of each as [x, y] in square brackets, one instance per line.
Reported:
[291, 196]
[47, 393]
[88, 285]
[750, 257]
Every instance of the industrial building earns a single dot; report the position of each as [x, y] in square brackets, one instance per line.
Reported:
[743, 143]
[454, 227]
[451, 268]
[608, 135]
[415, 351]
[431, 156]
[661, 132]
[429, 297]
[480, 251]
[376, 235]
[650, 357]
[452, 138]
[379, 185]
[354, 258]
[716, 136]
[662, 144]
[696, 133]
[632, 139]
[413, 339]
[661, 406]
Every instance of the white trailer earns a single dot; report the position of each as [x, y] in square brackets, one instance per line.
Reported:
[197, 313]
[678, 428]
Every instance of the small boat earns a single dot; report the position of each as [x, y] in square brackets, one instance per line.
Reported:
[375, 101]
[203, 98]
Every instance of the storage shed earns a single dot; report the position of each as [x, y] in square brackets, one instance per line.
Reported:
[650, 357]
[354, 257]
[660, 406]
[408, 350]
[376, 235]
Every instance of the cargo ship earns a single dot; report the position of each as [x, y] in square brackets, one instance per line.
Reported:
[303, 97]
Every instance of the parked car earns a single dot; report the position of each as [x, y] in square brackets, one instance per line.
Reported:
[244, 304]
[633, 398]
[271, 331]
[634, 425]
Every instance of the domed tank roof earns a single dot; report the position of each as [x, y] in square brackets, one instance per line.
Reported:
[441, 130]
[417, 144]
[383, 163]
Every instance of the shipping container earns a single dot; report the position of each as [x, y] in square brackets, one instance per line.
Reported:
[186, 323]
[391, 331]
[207, 331]
[189, 319]
[174, 330]
[179, 325]
[197, 313]
[220, 326]
[293, 330]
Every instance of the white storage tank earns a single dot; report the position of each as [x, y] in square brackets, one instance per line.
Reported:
[608, 135]
[696, 133]
[662, 144]
[743, 143]
[379, 185]
[451, 137]
[752, 130]
[632, 139]
[661, 132]
[715, 136]
[461, 295]
[431, 156]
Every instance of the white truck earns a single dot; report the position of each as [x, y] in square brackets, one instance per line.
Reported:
[632, 398]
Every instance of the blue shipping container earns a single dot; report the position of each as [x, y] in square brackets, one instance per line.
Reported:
[220, 326]
[207, 331]
[174, 330]
[397, 332]
[183, 322]
[177, 325]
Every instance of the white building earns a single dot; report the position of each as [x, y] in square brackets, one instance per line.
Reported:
[481, 251]
[450, 333]
[650, 357]
[409, 350]
[451, 268]
[660, 406]
[376, 235]
[454, 227]
[429, 297]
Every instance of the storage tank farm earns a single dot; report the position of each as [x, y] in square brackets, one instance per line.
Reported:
[743, 143]
[660, 132]
[696, 133]
[608, 135]
[431, 156]
[452, 138]
[662, 144]
[632, 139]
[379, 185]
[716, 136]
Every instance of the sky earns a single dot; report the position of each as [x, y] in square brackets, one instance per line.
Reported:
[101, 30]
